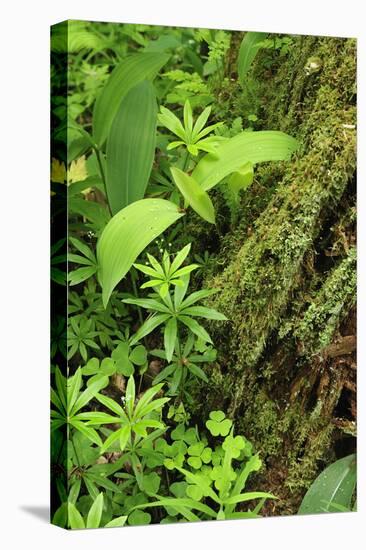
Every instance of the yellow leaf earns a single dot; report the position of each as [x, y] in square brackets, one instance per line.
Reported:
[58, 171]
[77, 170]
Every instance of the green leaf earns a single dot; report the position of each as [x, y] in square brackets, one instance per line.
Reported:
[247, 496]
[147, 303]
[201, 121]
[112, 438]
[93, 211]
[335, 485]
[124, 238]
[205, 312]
[107, 366]
[145, 400]
[75, 490]
[138, 517]
[149, 325]
[61, 385]
[196, 328]
[95, 513]
[241, 179]
[195, 462]
[233, 153]
[73, 389]
[92, 367]
[117, 522]
[249, 48]
[179, 259]
[96, 418]
[60, 516]
[169, 120]
[197, 371]
[111, 404]
[147, 270]
[188, 118]
[75, 518]
[155, 405]
[138, 355]
[179, 503]
[151, 483]
[201, 483]
[180, 291]
[83, 248]
[194, 492]
[167, 371]
[89, 393]
[130, 395]
[194, 194]
[90, 433]
[132, 70]
[81, 274]
[252, 465]
[218, 424]
[124, 434]
[196, 296]
[131, 147]
[170, 336]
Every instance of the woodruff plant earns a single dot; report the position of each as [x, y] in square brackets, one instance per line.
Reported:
[173, 309]
[116, 444]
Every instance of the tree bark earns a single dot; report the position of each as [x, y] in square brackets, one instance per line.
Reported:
[285, 369]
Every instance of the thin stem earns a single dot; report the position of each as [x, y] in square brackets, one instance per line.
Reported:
[186, 161]
[180, 362]
[99, 160]
[76, 455]
[134, 287]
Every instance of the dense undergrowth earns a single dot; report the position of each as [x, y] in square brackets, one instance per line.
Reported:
[207, 180]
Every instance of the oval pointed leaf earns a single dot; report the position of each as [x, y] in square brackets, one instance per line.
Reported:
[117, 522]
[131, 147]
[241, 179]
[233, 153]
[75, 518]
[249, 48]
[95, 513]
[334, 486]
[132, 70]
[194, 194]
[127, 235]
[170, 336]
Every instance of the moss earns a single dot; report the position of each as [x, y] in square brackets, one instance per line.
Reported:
[317, 326]
[283, 306]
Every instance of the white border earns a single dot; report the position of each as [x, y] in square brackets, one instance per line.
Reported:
[25, 273]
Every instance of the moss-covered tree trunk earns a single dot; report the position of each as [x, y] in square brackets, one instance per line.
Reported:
[286, 366]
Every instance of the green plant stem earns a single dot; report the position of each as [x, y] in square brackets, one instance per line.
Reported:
[134, 287]
[185, 166]
[76, 455]
[186, 161]
[139, 313]
[102, 175]
[179, 354]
